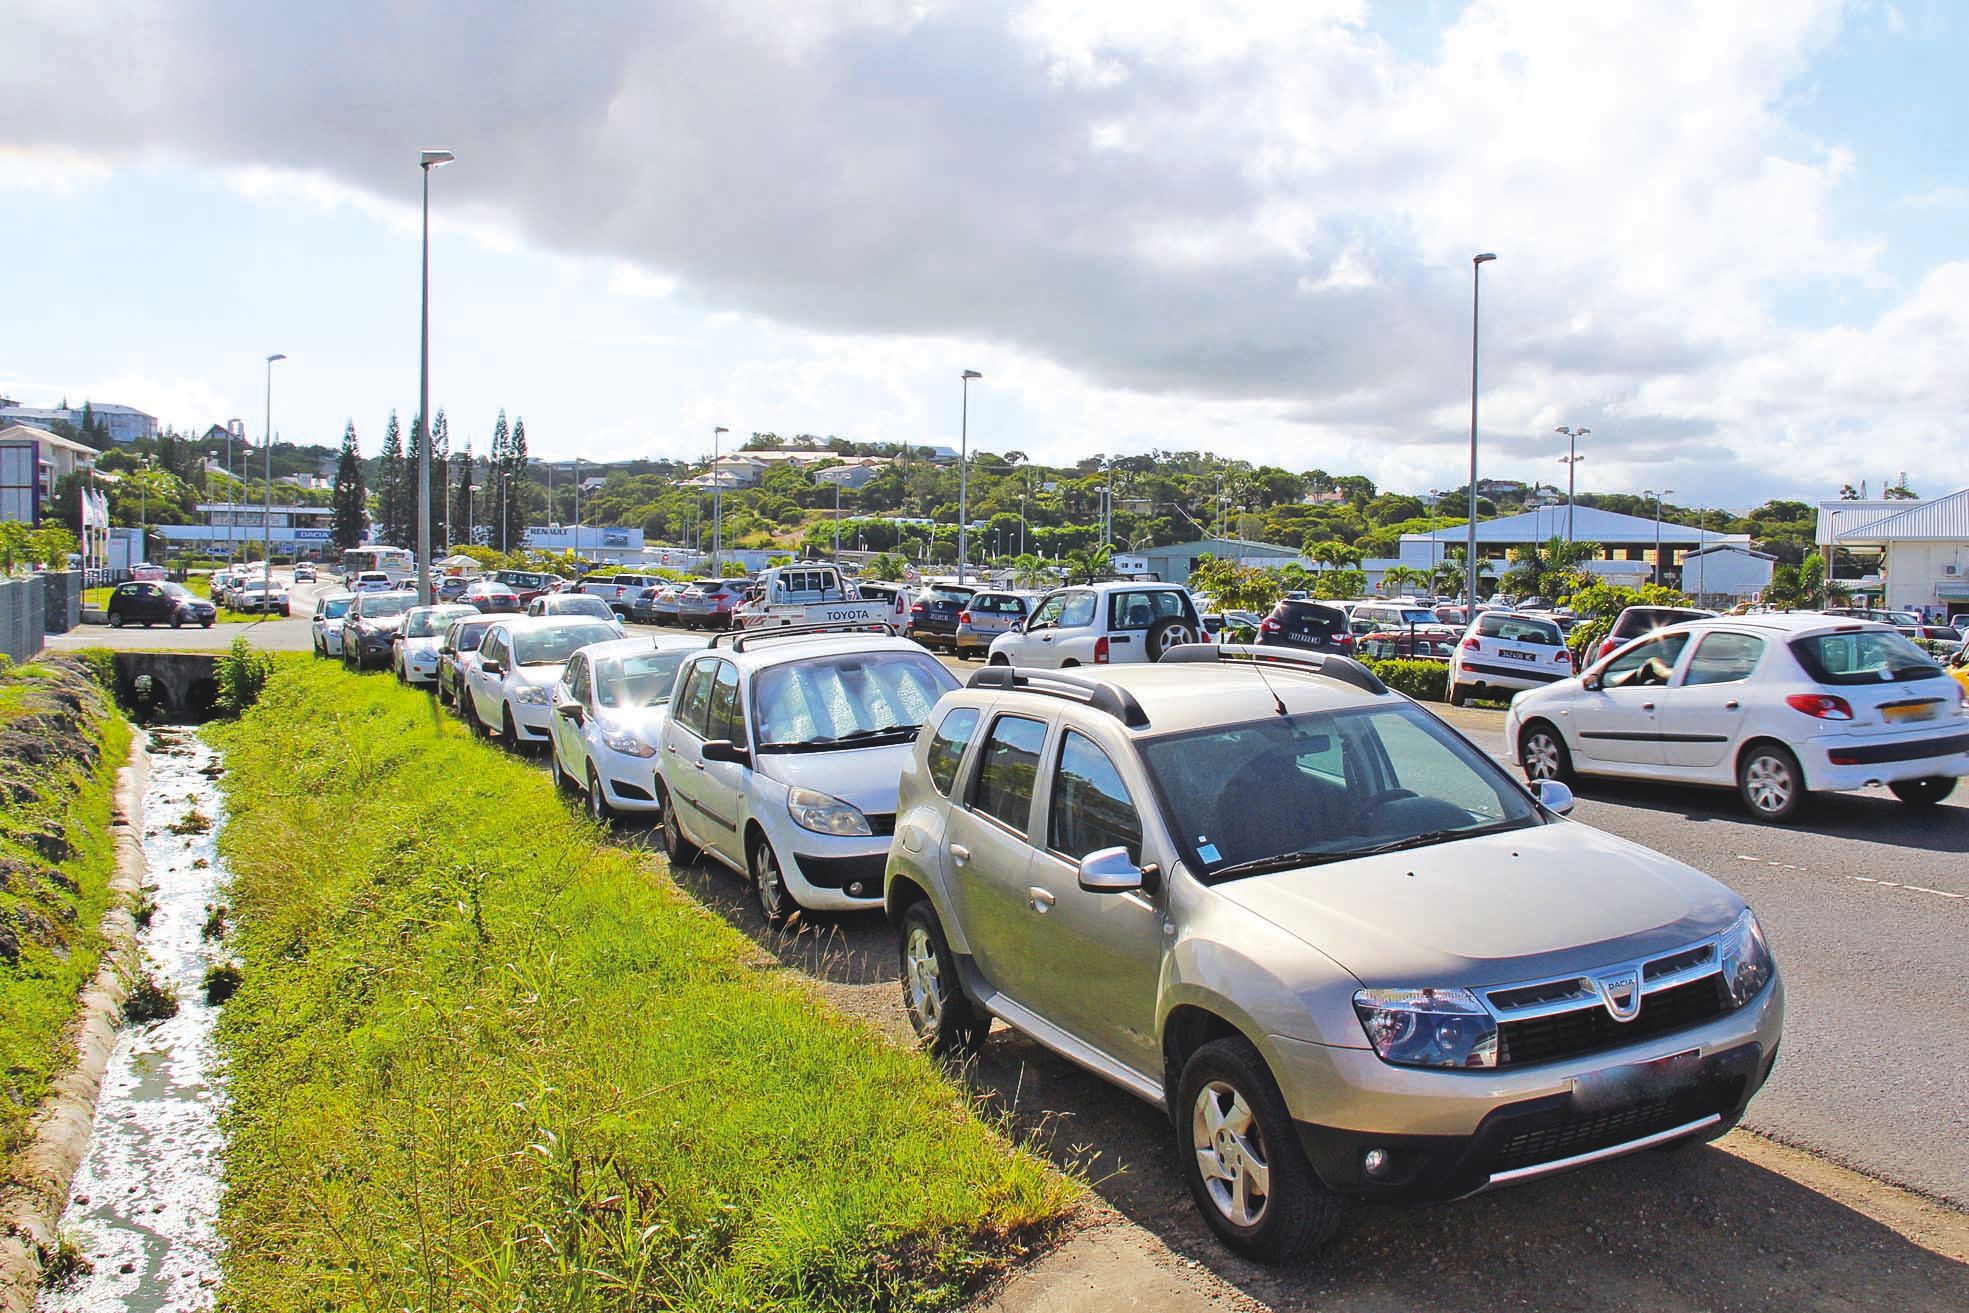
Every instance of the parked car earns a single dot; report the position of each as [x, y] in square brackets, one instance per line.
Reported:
[1344, 950]
[985, 616]
[145, 572]
[329, 611]
[1314, 626]
[1634, 621]
[370, 627]
[932, 619]
[1416, 643]
[451, 588]
[526, 585]
[709, 603]
[1505, 651]
[1101, 624]
[456, 653]
[414, 656]
[1399, 614]
[664, 602]
[372, 581]
[491, 597]
[780, 759]
[509, 688]
[148, 602]
[608, 720]
[262, 599]
[304, 573]
[895, 598]
[618, 590]
[574, 604]
[1776, 706]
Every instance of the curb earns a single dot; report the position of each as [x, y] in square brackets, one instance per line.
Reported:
[37, 1191]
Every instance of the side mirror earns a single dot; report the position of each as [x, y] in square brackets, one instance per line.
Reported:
[1555, 797]
[569, 711]
[727, 751]
[1590, 681]
[1108, 871]
[1018, 626]
[446, 649]
[492, 668]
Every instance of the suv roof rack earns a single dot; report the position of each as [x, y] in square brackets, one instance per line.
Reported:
[1116, 702]
[741, 638]
[1330, 664]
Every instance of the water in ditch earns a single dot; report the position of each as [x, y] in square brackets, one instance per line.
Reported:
[145, 1204]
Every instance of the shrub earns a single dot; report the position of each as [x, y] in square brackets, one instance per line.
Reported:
[1425, 681]
[221, 982]
[100, 662]
[242, 674]
[146, 1000]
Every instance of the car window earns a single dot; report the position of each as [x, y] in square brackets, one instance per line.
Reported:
[1049, 611]
[727, 714]
[1723, 658]
[556, 643]
[824, 702]
[1647, 664]
[1518, 629]
[643, 679]
[1009, 769]
[1090, 809]
[947, 746]
[1139, 610]
[1862, 656]
[696, 700]
[1078, 611]
[574, 680]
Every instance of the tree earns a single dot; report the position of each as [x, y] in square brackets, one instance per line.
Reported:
[888, 566]
[464, 509]
[1803, 587]
[496, 469]
[1549, 570]
[1899, 491]
[1235, 587]
[390, 483]
[1399, 577]
[517, 487]
[349, 500]
[440, 485]
[1089, 563]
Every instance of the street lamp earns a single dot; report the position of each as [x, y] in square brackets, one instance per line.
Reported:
[963, 472]
[266, 503]
[427, 161]
[1570, 460]
[717, 501]
[211, 513]
[1650, 492]
[1477, 262]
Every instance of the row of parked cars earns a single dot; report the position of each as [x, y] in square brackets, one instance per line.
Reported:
[1345, 951]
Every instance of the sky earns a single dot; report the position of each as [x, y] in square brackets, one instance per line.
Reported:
[1729, 237]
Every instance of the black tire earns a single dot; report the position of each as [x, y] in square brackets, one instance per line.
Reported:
[597, 802]
[509, 729]
[563, 782]
[116, 620]
[1769, 782]
[998, 659]
[177, 621]
[1297, 1213]
[1543, 750]
[1456, 695]
[1925, 792]
[1169, 632]
[205, 624]
[776, 903]
[679, 850]
[944, 1020]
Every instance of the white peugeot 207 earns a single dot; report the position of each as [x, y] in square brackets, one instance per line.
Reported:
[1777, 706]
[608, 719]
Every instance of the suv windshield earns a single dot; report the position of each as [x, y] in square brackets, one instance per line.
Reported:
[1862, 656]
[1318, 787]
[842, 701]
[640, 680]
[335, 607]
[377, 606]
[553, 645]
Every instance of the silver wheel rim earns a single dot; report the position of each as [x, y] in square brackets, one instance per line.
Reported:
[923, 980]
[1541, 757]
[766, 871]
[1175, 636]
[1768, 781]
[1230, 1154]
[594, 795]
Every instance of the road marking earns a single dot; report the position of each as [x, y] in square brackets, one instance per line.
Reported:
[1861, 879]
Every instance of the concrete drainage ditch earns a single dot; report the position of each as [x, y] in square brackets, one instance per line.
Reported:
[143, 1208]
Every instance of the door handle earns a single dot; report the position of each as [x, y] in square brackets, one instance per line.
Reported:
[1647, 706]
[1732, 705]
[959, 854]
[1039, 900]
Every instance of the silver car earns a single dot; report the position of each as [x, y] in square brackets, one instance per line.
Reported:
[1344, 949]
[989, 613]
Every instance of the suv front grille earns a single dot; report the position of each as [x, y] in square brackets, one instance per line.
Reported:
[1584, 1134]
[1591, 1029]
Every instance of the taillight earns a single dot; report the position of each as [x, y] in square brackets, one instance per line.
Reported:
[1470, 645]
[1823, 706]
[1608, 645]
[1271, 626]
[1564, 658]
[1101, 650]
[963, 617]
[917, 609]
[1344, 640]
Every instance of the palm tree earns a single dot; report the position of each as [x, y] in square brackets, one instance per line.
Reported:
[1549, 569]
[1400, 577]
[1089, 564]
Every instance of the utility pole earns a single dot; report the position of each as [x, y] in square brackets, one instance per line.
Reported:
[717, 500]
[266, 505]
[1477, 263]
[1571, 460]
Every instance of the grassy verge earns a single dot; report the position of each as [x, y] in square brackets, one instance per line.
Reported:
[61, 743]
[96, 599]
[482, 1059]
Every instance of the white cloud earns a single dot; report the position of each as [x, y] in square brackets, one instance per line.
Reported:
[50, 169]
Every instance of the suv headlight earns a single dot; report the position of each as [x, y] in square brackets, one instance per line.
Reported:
[813, 810]
[621, 740]
[1428, 1027]
[1746, 959]
[533, 694]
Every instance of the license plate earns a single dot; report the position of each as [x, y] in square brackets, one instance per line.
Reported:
[1517, 656]
[1903, 714]
[1640, 1082]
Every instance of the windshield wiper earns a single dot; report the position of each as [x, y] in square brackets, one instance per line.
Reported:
[1281, 862]
[1428, 837]
[1324, 856]
[878, 730]
[543, 661]
[829, 743]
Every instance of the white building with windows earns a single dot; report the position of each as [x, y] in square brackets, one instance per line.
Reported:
[32, 462]
[1918, 549]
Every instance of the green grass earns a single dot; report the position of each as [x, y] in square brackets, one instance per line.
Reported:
[482, 1059]
[50, 925]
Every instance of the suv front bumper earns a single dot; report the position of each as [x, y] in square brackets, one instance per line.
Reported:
[1446, 1134]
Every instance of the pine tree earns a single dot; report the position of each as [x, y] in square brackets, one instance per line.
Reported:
[410, 458]
[463, 507]
[516, 487]
[389, 487]
[348, 499]
[495, 469]
[440, 485]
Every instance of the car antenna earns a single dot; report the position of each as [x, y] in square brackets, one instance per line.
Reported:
[1278, 703]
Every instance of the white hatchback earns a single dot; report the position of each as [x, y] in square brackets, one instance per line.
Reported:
[510, 687]
[1778, 706]
[608, 720]
[1506, 652]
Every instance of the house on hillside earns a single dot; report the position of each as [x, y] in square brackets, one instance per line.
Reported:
[1921, 547]
[32, 462]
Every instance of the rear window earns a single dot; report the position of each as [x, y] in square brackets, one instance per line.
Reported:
[1638, 620]
[1518, 629]
[1863, 656]
[944, 594]
[1308, 615]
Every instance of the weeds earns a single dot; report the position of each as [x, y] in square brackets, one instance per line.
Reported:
[215, 922]
[192, 822]
[221, 982]
[144, 1000]
[242, 673]
[65, 1263]
[146, 907]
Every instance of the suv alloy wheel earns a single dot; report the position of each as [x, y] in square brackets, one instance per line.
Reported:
[1168, 633]
[943, 1019]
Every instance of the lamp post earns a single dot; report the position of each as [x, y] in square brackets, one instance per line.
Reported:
[266, 503]
[717, 501]
[837, 524]
[963, 473]
[211, 513]
[1650, 492]
[1477, 263]
[426, 161]
[1570, 460]
[143, 512]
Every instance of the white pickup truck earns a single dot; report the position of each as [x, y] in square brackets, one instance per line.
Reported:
[810, 593]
